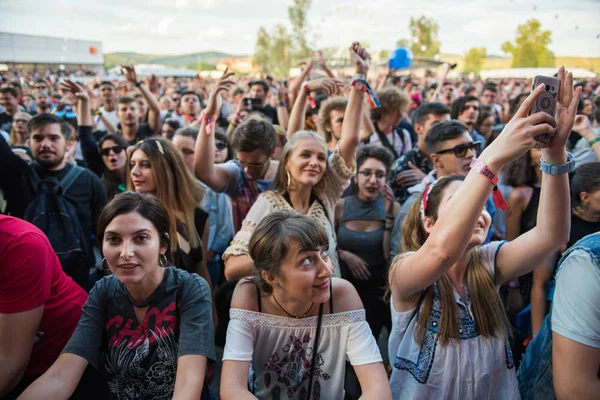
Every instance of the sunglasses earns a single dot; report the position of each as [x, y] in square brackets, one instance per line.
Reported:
[220, 145]
[106, 151]
[63, 114]
[461, 150]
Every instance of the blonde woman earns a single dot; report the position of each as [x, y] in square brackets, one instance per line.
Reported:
[449, 329]
[307, 181]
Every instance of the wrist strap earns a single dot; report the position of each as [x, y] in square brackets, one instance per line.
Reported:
[594, 141]
[137, 84]
[209, 120]
[310, 99]
[363, 85]
[482, 169]
[359, 77]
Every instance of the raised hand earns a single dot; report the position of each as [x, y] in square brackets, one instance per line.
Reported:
[74, 88]
[358, 267]
[214, 99]
[566, 109]
[129, 72]
[153, 84]
[321, 60]
[388, 195]
[359, 57]
[518, 136]
[331, 86]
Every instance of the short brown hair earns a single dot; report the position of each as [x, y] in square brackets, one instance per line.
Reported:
[254, 134]
[337, 103]
[275, 235]
[126, 100]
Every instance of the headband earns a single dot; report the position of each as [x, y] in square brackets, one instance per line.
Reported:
[425, 199]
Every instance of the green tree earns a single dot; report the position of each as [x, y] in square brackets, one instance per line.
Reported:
[474, 59]
[531, 46]
[298, 14]
[262, 52]
[424, 37]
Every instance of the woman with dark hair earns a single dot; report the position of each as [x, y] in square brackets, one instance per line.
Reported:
[295, 323]
[364, 223]
[485, 123]
[307, 181]
[108, 159]
[447, 313]
[148, 325]
[168, 128]
[223, 149]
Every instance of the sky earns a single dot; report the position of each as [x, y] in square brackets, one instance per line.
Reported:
[189, 26]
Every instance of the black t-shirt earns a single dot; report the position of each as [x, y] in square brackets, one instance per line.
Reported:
[140, 360]
[269, 112]
[580, 229]
[188, 260]
[5, 122]
[143, 132]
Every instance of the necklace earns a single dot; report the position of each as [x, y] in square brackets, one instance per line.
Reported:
[289, 313]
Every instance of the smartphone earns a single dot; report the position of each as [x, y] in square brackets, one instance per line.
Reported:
[546, 102]
[253, 102]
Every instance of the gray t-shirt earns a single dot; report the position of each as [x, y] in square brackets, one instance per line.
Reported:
[576, 305]
[141, 360]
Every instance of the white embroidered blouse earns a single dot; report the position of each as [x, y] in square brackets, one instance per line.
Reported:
[280, 350]
[474, 367]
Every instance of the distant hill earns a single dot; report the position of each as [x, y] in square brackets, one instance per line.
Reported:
[203, 59]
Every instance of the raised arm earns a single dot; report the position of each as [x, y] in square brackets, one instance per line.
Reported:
[323, 65]
[447, 240]
[153, 106]
[296, 123]
[354, 110]
[554, 213]
[89, 147]
[295, 84]
[214, 176]
[583, 127]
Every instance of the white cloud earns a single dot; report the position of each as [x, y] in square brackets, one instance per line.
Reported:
[163, 25]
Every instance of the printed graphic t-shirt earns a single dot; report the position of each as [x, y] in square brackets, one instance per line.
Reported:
[140, 360]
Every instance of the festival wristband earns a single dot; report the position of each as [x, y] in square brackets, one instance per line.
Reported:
[209, 120]
[359, 77]
[594, 141]
[310, 99]
[482, 169]
[363, 85]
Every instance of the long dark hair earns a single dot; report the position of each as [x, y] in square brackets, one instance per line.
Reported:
[146, 205]
[114, 181]
[520, 172]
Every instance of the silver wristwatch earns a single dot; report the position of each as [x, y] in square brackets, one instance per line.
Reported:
[552, 169]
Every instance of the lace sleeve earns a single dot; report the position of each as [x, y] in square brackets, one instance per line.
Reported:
[239, 245]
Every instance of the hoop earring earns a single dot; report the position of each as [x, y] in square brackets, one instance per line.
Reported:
[163, 262]
[103, 263]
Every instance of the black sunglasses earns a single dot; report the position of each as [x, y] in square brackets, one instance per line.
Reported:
[106, 151]
[460, 151]
[220, 145]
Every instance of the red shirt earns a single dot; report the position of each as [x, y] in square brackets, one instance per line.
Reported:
[31, 276]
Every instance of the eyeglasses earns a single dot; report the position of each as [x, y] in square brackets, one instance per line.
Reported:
[259, 165]
[461, 150]
[220, 145]
[106, 151]
[367, 174]
[21, 121]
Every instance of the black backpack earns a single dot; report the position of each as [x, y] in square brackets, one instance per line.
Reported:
[56, 216]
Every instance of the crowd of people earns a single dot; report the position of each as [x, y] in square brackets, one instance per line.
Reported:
[316, 237]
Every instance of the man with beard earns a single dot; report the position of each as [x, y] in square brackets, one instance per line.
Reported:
[51, 140]
[9, 100]
[43, 102]
[466, 110]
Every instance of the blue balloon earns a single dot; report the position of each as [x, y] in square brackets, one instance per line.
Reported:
[400, 58]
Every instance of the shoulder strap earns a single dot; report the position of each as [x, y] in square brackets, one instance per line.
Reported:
[258, 298]
[331, 296]
[385, 142]
[315, 351]
[70, 178]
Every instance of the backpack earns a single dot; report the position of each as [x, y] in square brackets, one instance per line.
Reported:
[56, 216]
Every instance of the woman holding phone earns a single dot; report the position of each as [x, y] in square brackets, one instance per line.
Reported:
[447, 314]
